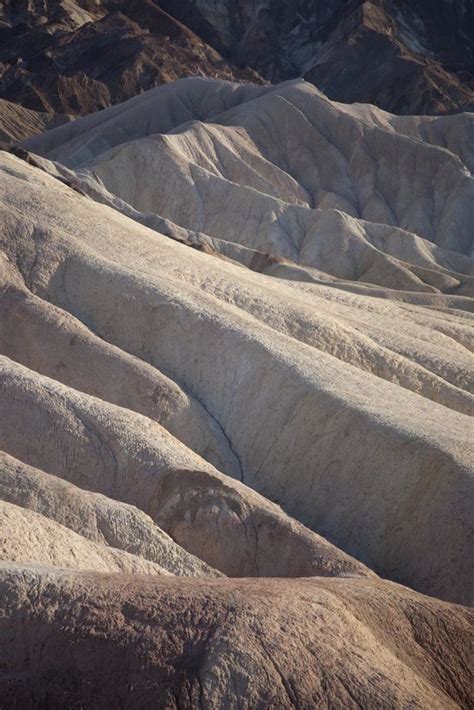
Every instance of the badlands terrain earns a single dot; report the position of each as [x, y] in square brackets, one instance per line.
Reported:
[64, 58]
[236, 414]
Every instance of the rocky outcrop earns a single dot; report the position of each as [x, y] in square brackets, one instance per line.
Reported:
[382, 53]
[79, 57]
[406, 57]
[75, 57]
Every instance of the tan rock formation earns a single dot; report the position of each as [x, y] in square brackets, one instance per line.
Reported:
[303, 381]
[102, 520]
[18, 123]
[236, 341]
[30, 537]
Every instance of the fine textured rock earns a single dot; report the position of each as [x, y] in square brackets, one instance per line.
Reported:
[91, 515]
[130, 458]
[30, 537]
[307, 384]
[18, 123]
[236, 344]
[101, 640]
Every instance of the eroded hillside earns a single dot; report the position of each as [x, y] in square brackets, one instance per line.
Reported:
[236, 342]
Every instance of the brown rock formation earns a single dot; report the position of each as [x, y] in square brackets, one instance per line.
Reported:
[96, 640]
[77, 57]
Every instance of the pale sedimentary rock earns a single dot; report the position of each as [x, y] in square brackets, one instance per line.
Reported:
[93, 516]
[236, 341]
[308, 386]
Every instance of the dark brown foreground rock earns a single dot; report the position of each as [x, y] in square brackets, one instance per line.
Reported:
[94, 640]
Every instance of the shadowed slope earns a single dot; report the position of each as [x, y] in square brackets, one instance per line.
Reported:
[232, 643]
[75, 57]
[406, 56]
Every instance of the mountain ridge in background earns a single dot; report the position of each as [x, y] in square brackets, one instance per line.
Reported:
[73, 57]
[405, 57]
